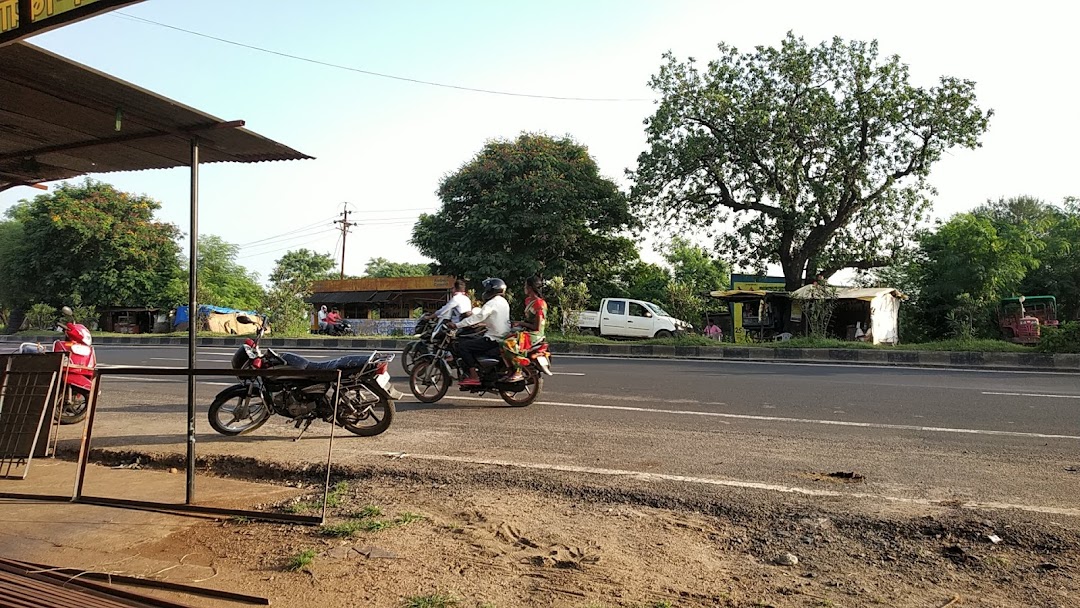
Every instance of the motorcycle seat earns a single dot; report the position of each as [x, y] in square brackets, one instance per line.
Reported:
[346, 362]
[485, 362]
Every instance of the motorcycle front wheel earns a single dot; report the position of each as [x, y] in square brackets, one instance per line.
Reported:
[411, 353]
[429, 380]
[233, 413]
[368, 420]
[73, 410]
[525, 392]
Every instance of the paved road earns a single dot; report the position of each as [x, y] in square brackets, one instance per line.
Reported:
[995, 438]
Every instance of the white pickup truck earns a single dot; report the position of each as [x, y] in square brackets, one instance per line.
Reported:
[625, 318]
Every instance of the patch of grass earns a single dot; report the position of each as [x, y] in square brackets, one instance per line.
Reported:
[301, 506]
[434, 600]
[368, 511]
[300, 560]
[408, 518]
[337, 494]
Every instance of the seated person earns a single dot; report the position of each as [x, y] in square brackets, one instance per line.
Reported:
[495, 315]
[529, 332]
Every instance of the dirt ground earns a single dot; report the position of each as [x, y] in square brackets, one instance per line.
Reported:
[429, 535]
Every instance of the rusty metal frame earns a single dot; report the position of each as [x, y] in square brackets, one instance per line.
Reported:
[27, 399]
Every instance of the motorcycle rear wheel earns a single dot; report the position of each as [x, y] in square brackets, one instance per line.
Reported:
[228, 402]
[73, 409]
[429, 380]
[371, 421]
[533, 383]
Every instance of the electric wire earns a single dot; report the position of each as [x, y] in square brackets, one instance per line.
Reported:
[380, 74]
[256, 249]
[293, 231]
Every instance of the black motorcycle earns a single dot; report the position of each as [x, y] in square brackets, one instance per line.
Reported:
[365, 403]
[433, 374]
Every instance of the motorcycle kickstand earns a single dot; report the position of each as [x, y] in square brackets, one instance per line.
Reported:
[306, 424]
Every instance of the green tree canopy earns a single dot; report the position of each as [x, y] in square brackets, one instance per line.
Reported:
[303, 266]
[533, 205]
[694, 267]
[222, 281]
[90, 242]
[384, 268]
[815, 158]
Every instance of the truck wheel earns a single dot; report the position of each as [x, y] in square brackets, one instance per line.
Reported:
[663, 333]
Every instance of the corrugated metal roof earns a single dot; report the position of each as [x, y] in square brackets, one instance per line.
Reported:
[58, 121]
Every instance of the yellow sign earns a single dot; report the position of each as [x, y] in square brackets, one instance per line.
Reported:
[22, 18]
[9, 15]
[47, 9]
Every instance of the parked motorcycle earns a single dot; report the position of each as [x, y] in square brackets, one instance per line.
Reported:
[433, 374]
[365, 405]
[79, 373]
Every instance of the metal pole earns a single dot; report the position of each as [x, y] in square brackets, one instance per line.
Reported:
[193, 315]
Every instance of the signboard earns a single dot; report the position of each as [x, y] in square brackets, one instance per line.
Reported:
[22, 18]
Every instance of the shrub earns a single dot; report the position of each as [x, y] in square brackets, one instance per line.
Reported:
[41, 316]
[1063, 339]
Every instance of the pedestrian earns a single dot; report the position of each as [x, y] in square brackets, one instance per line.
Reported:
[713, 331]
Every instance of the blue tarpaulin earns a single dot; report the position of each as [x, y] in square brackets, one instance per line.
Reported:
[205, 310]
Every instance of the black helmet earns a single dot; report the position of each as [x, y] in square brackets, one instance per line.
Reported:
[493, 287]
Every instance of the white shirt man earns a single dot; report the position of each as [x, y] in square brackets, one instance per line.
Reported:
[458, 305]
[495, 315]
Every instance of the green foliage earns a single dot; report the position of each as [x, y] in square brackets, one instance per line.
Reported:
[1063, 339]
[817, 157]
[534, 205]
[290, 283]
[41, 316]
[302, 266]
[434, 600]
[642, 281]
[818, 310]
[113, 251]
[384, 268]
[301, 560]
[564, 299]
[683, 302]
[222, 281]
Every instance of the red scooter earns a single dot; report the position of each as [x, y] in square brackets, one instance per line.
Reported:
[79, 373]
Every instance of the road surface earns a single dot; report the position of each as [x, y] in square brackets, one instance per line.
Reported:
[999, 439]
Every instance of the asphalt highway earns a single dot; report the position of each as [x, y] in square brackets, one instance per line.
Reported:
[917, 436]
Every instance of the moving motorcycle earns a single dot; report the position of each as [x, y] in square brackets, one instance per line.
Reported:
[79, 372]
[433, 374]
[365, 405]
[419, 346]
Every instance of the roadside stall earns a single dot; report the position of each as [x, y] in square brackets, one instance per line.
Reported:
[875, 311]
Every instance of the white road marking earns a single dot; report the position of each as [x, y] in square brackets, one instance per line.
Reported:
[1052, 396]
[869, 425]
[567, 374]
[643, 476]
[817, 364]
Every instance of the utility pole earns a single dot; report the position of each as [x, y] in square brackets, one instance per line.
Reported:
[345, 225]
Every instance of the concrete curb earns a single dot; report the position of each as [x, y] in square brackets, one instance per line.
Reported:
[1032, 361]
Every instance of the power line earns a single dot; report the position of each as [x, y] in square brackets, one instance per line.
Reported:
[377, 74]
[345, 225]
[293, 231]
[249, 250]
[289, 248]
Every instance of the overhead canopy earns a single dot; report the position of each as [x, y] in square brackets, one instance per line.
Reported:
[60, 119]
[866, 294]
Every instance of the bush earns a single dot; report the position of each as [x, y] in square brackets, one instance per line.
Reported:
[1064, 339]
[41, 316]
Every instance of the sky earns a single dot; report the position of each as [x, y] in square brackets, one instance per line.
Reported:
[382, 145]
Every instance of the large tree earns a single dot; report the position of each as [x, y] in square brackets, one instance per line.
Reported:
[813, 158]
[89, 242]
[222, 281]
[533, 205]
[304, 266]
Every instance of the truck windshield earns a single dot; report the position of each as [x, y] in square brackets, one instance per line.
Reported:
[660, 312]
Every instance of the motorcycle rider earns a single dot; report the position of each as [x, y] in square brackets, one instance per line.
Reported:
[495, 315]
[459, 306]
